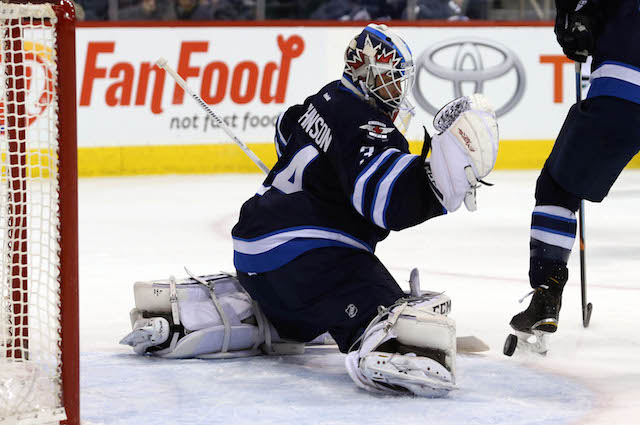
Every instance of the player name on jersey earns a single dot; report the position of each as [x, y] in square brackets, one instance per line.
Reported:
[316, 127]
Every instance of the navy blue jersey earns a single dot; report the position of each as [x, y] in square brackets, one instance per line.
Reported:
[616, 58]
[619, 37]
[344, 178]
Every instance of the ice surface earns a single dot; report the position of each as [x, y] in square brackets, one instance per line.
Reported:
[313, 389]
[143, 228]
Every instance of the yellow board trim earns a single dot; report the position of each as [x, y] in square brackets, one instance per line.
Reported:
[228, 158]
[39, 163]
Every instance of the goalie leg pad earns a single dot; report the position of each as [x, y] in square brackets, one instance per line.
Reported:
[406, 373]
[146, 332]
[406, 348]
[436, 302]
[208, 317]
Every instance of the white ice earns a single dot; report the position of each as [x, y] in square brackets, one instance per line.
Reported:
[143, 228]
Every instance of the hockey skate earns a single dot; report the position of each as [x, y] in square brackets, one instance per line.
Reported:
[533, 325]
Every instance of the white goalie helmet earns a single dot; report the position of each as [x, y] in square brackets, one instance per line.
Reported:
[379, 66]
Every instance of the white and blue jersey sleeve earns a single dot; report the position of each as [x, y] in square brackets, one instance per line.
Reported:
[386, 180]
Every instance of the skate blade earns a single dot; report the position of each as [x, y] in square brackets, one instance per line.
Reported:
[536, 343]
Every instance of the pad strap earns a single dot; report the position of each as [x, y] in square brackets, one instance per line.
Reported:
[216, 303]
[175, 313]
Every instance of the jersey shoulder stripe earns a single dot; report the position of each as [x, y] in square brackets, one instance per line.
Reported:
[384, 189]
[361, 181]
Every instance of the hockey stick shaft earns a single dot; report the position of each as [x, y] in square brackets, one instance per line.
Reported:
[162, 63]
[586, 307]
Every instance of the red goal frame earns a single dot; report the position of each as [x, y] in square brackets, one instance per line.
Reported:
[68, 197]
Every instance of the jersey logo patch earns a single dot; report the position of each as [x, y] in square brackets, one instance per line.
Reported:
[377, 130]
[351, 311]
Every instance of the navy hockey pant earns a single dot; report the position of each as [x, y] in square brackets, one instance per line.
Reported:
[598, 139]
[326, 289]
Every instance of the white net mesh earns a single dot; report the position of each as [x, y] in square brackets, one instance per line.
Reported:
[30, 326]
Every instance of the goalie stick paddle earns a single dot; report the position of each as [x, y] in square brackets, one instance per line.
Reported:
[162, 64]
[587, 308]
[470, 345]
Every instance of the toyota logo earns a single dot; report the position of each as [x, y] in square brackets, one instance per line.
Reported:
[472, 64]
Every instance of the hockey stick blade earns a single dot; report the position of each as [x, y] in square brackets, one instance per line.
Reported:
[470, 344]
[586, 315]
[464, 344]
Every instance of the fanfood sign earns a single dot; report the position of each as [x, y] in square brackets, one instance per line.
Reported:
[241, 83]
[250, 75]
[468, 63]
[246, 84]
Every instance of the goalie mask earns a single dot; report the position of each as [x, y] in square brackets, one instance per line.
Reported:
[379, 67]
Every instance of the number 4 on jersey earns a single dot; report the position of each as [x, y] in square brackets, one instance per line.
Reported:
[289, 179]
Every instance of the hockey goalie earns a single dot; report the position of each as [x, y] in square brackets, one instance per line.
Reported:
[304, 243]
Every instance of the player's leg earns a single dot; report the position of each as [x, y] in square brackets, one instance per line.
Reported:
[598, 139]
[353, 296]
[553, 231]
[327, 289]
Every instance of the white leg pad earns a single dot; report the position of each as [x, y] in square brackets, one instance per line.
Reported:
[436, 302]
[407, 348]
[146, 332]
[407, 371]
[209, 317]
[207, 343]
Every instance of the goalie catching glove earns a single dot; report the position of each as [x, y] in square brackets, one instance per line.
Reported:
[464, 152]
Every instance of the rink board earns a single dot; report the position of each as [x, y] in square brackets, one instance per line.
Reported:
[229, 158]
[133, 118]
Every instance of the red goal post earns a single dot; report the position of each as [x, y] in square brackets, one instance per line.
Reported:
[39, 341]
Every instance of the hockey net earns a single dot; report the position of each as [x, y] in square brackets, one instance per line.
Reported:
[38, 214]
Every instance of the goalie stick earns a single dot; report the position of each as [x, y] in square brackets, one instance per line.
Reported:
[464, 344]
[162, 64]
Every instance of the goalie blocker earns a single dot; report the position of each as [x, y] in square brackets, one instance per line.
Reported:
[409, 347]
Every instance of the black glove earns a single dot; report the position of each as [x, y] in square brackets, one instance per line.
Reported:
[576, 34]
[426, 145]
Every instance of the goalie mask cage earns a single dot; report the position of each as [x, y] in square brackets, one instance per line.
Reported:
[39, 353]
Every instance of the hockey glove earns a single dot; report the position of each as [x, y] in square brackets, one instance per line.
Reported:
[575, 32]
